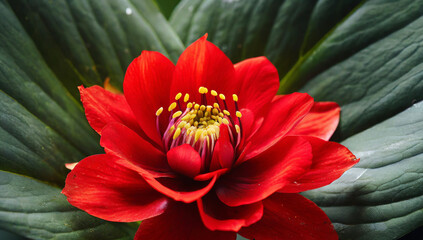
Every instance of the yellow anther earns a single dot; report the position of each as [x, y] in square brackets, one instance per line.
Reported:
[186, 97]
[203, 90]
[221, 114]
[172, 128]
[172, 106]
[215, 111]
[198, 134]
[186, 117]
[235, 97]
[213, 93]
[211, 122]
[209, 131]
[187, 126]
[202, 108]
[189, 105]
[238, 114]
[222, 96]
[177, 114]
[216, 105]
[225, 121]
[207, 114]
[195, 124]
[237, 128]
[178, 96]
[177, 133]
[182, 124]
[226, 112]
[200, 113]
[159, 111]
[204, 123]
[209, 108]
[196, 106]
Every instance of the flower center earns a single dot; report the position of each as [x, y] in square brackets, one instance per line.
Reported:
[199, 123]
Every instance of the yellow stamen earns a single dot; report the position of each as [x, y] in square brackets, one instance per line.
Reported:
[189, 105]
[177, 114]
[237, 128]
[172, 106]
[196, 106]
[159, 111]
[178, 96]
[177, 133]
[222, 96]
[226, 112]
[182, 124]
[238, 114]
[186, 98]
[235, 97]
[225, 121]
[216, 105]
[203, 90]
[198, 134]
[202, 108]
[213, 93]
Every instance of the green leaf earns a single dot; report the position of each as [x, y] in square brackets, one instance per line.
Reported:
[273, 28]
[87, 41]
[166, 7]
[47, 49]
[41, 125]
[38, 211]
[379, 80]
[382, 196]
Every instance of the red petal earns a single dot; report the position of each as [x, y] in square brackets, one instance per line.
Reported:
[203, 64]
[121, 141]
[290, 217]
[70, 166]
[218, 216]
[330, 161]
[257, 178]
[185, 160]
[285, 112]
[102, 187]
[223, 153]
[320, 122]
[260, 82]
[179, 222]
[182, 188]
[103, 107]
[146, 88]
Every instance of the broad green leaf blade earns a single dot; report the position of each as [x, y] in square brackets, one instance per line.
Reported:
[370, 22]
[377, 82]
[87, 41]
[382, 196]
[41, 124]
[166, 7]
[272, 28]
[39, 211]
[10, 236]
[47, 49]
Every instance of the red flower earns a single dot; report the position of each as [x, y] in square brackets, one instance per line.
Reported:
[205, 149]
